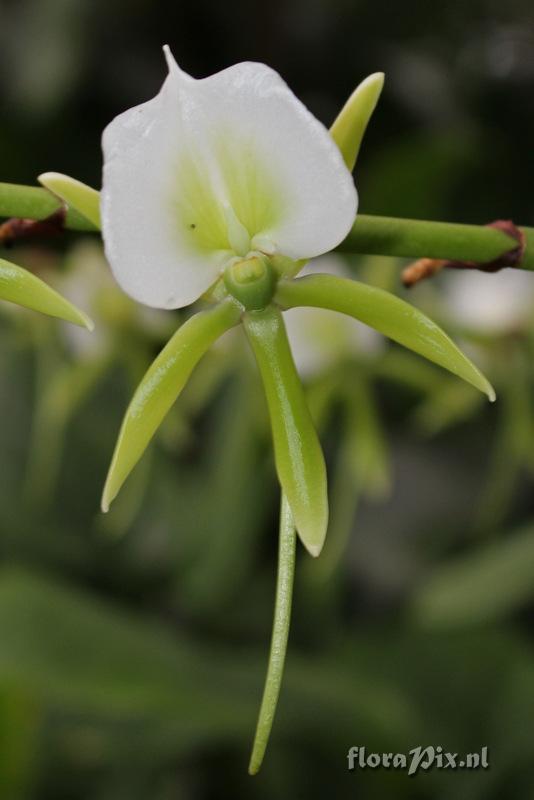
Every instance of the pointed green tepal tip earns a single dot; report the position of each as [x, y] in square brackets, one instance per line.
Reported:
[387, 314]
[488, 389]
[349, 127]
[160, 387]
[19, 286]
[76, 194]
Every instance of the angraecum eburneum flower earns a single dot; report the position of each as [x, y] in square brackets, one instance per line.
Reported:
[220, 190]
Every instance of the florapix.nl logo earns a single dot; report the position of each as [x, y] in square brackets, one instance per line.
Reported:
[419, 758]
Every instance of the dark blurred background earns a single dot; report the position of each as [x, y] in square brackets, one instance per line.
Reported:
[133, 646]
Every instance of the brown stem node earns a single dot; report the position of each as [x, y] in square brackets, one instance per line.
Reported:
[15, 228]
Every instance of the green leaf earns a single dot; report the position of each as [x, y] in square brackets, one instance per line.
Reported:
[480, 587]
[386, 313]
[33, 202]
[77, 650]
[349, 126]
[365, 439]
[161, 386]
[84, 653]
[448, 404]
[298, 455]
[324, 574]
[75, 193]
[17, 285]
[512, 442]
[20, 721]
[59, 394]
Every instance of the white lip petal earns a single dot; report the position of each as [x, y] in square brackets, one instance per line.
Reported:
[237, 146]
[150, 251]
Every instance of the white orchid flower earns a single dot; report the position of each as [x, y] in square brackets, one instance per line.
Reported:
[223, 187]
[231, 181]
[211, 170]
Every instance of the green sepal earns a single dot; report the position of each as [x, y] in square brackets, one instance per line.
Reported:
[19, 286]
[160, 387]
[75, 194]
[298, 455]
[350, 124]
[386, 313]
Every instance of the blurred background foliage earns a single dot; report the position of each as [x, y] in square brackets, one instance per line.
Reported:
[133, 646]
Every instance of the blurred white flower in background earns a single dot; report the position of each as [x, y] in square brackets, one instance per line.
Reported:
[490, 303]
[88, 280]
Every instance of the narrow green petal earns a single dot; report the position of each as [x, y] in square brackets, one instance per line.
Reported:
[386, 313]
[17, 285]
[298, 455]
[75, 193]
[160, 387]
[350, 124]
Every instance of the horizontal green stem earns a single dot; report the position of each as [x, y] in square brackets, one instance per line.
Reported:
[414, 238]
[32, 202]
[372, 235]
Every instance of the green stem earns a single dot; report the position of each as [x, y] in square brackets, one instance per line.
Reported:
[414, 238]
[277, 655]
[32, 202]
[372, 235]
